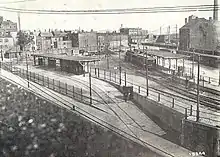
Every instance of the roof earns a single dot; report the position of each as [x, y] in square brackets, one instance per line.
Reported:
[45, 34]
[60, 34]
[193, 22]
[200, 54]
[148, 58]
[5, 36]
[165, 55]
[69, 58]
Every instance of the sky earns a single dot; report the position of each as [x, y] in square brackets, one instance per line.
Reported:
[151, 22]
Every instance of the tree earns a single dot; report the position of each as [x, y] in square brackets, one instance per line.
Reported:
[23, 39]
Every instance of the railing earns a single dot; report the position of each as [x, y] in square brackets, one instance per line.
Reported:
[179, 103]
[76, 93]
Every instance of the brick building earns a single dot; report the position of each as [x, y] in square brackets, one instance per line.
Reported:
[200, 34]
[88, 41]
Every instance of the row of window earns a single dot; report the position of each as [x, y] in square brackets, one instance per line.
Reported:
[5, 40]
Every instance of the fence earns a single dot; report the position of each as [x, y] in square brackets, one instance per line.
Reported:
[179, 103]
[63, 88]
[173, 101]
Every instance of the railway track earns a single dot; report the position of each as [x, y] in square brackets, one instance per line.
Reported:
[102, 93]
[163, 80]
[204, 100]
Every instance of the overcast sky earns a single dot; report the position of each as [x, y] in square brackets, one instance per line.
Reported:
[102, 22]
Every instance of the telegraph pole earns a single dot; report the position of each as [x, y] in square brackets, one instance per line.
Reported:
[198, 98]
[193, 64]
[120, 60]
[168, 34]
[176, 37]
[146, 67]
[90, 88]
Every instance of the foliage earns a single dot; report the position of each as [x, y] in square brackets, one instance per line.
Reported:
[23, 39]
[31, 126]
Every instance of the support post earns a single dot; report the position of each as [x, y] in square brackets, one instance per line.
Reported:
[120, 75]
[185, 113]
[104, 74]
[203, 82]
[115, 78]
[219, 78]
[73, 92]
[173, 103]
[53, 85]
[139, 89]
[110, 75]
[90, 88]
[146, 67]
[191, 110]
[158, 97]
[198, 98]
[81, 93]
[125, 79]
[43, 80]
[66, 88]
[59, 86]
[48, 81]
[183, 66]
[98, 72]
[176, 65]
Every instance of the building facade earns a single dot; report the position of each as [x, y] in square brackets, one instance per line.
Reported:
[200, 34]
[135, 35]
[7, 26]
[88, 41]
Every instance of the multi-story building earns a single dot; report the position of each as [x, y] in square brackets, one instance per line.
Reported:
[44, 41]
[88, 41]
[7, 45]
[112, 40]
[135, 35]
[7, 26]
[200, 34]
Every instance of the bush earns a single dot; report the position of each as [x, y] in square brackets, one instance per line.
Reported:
[33, 127]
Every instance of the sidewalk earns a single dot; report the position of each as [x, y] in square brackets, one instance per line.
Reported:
[109, 117]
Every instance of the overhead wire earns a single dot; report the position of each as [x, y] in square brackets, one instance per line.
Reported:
[114, 11]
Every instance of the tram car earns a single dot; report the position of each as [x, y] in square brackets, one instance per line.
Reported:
[139, 59]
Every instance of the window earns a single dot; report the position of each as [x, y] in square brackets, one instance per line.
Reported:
[6, 40]
[1, 40]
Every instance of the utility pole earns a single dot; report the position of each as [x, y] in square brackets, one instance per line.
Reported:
[90, 88]
[27, 69]
[193, 64]
[198, 98]
[176, 37]
[106, 49]
[146, 67]
[168, 34]
[120, 60]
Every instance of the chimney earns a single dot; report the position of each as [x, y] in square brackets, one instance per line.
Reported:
[210, 18]
[185, 20]
[215, 13]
